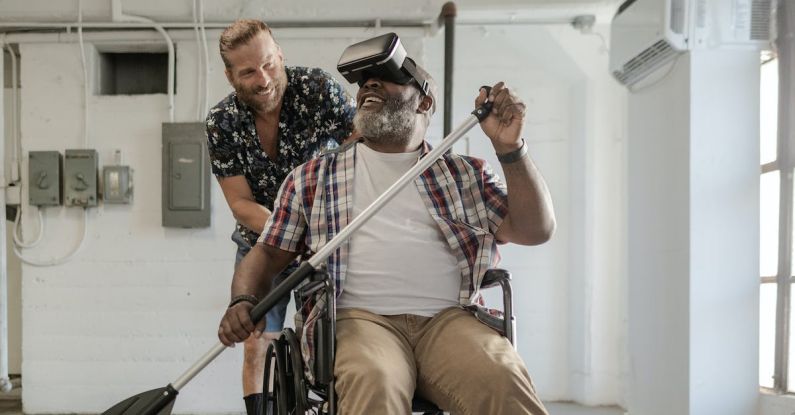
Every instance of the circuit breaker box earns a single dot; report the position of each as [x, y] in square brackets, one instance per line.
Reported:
[80, 177]
[44, 176]
[186, 176]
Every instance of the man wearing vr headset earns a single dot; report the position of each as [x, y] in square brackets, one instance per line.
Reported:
[408, 277]
[277, 118]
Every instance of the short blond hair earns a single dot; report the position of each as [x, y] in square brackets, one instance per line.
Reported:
[239, 33]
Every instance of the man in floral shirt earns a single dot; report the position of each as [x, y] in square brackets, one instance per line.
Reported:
[276, 119]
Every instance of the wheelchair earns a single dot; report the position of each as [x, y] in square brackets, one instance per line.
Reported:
[293, 393]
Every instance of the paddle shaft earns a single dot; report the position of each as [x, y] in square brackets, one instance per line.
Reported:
[308, 267]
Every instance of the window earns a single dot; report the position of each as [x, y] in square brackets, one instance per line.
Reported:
[769, 217]
[776, 344]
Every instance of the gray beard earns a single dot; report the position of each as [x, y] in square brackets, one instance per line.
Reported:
[393, 125]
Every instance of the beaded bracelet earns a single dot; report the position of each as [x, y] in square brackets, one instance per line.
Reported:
[513, 156]
[245, 297]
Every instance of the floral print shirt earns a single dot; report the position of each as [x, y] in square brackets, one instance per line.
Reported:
[316, 115]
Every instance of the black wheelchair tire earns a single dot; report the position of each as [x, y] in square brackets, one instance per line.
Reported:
[279, 402]
[295, 366]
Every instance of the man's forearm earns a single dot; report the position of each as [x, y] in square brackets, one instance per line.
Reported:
[251, 214]
[532, 217]
[255, 273]
[250, 276]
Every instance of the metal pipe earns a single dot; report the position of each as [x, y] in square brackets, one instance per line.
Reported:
[5, 381]
[138, 36]
[449, 14]
[206, 98]
[199, 65]
[427, 27]
[117, 13]
[15, 136]
[363, 23]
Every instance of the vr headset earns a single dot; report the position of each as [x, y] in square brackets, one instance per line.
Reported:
[381, 57]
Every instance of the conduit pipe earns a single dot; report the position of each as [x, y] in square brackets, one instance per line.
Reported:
[448, 15]
[119, 16]
[138, 36]
[5, 381]
[432, 27]
[18, 243]
[206, 58]
[15, 136]
[199, 64]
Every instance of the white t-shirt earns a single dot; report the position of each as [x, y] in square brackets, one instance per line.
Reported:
[398, 261]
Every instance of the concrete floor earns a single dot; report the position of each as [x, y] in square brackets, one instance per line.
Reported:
[560, 408]
[11, 404]
[14, 407]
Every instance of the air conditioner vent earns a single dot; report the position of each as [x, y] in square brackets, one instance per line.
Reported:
[760, 20]
[654, 56]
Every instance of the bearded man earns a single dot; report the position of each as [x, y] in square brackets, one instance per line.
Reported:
[408, 278]
[277, 118]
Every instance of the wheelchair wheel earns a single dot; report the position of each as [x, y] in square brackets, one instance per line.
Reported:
[295, 371]
[277, 402]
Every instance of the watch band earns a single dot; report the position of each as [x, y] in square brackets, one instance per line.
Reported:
[245, 297]
[513, 156]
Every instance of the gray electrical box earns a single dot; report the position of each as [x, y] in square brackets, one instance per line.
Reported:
[80, 171]
[117, 185]
[186, 176]
[44, 175]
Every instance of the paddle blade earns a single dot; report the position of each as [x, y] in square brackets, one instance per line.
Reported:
[153, 402]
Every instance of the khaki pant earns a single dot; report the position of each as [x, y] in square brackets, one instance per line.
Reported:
[452, 359]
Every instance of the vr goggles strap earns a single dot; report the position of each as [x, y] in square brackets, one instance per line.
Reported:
[411, 68]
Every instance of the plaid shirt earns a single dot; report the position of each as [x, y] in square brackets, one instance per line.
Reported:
[463, 195]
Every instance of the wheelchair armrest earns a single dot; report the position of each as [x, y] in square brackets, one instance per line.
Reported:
[500, 277]
[494, 277]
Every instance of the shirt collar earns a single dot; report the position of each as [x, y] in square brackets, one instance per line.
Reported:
[426, 146]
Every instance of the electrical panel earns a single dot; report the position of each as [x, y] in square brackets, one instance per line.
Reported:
[186, 176]
[44, 175]
[80, 177]
[117, 185]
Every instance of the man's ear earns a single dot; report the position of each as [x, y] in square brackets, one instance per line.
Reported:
[228, 76]
[426, 104]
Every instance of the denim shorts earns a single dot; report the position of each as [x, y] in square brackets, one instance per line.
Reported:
[274, 319]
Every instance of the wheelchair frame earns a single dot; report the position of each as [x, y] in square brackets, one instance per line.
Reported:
[293, 394]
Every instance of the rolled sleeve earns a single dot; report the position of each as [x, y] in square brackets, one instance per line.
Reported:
[223, 147]
[495, 195]
[286, 227]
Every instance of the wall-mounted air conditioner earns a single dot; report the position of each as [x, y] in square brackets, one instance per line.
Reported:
[646, 34]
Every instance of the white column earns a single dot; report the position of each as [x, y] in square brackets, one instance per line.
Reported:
[693, 226]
